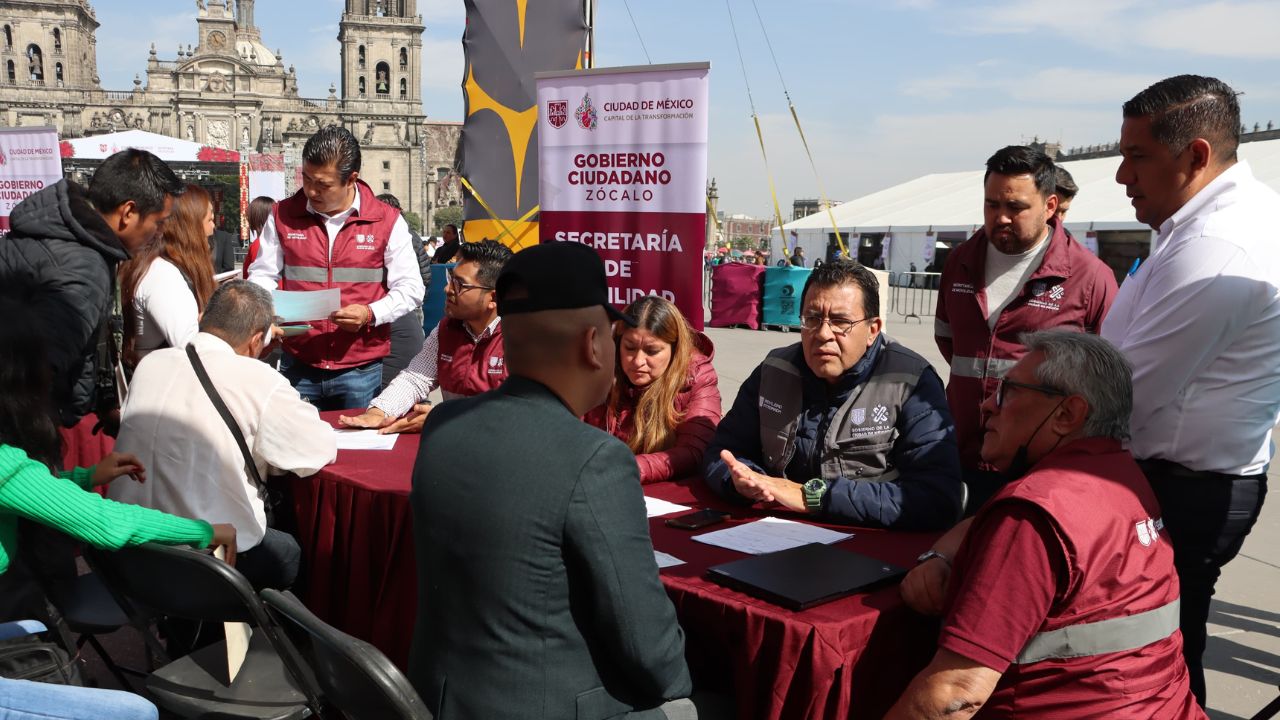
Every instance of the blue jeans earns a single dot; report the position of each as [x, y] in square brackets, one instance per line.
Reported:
[347, 389]
[26, 700]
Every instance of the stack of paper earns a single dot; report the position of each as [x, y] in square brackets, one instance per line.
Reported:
[658, 507]
[665, 560]
[364, 440]
[770, 535]
[305, 305]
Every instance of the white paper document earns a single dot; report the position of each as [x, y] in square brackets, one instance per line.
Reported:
[304, 305]
[364, 440]
[658, 507]
[237, 634]
[770, 535]
[665, 560]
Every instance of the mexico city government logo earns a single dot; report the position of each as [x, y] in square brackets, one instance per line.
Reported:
[586, 114]
[557, 113]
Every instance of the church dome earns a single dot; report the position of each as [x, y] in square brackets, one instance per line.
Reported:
[246, 47]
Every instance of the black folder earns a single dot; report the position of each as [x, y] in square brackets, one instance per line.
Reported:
[804, 576]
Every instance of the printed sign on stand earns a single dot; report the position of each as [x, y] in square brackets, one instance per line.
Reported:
[29, 161]
[623, 170]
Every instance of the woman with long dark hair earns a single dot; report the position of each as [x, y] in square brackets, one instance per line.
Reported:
[259, 211]
[665, 402]
[164, 288]
[30, 448]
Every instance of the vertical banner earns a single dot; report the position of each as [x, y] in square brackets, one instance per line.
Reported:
[624, 170]
[29, 160]
[244, 198]
[506, 42]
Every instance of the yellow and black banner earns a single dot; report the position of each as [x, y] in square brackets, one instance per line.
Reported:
[506, 42]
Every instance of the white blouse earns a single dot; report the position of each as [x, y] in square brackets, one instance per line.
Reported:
[165, 308]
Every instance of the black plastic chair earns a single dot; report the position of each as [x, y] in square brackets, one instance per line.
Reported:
[354, 676]
[153, 579]
[89, 610]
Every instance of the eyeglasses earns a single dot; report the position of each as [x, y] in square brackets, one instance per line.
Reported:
[839, 326]
[1045, 389]
[460, 287]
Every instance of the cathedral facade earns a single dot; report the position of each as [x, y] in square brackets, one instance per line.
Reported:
[232, 91]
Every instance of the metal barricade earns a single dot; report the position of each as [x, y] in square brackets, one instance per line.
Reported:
[915, 294]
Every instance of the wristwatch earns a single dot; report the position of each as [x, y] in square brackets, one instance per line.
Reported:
[813, 492]
[931, 554]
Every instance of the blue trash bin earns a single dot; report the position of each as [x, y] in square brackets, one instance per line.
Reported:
[781, 300]
[433, 303]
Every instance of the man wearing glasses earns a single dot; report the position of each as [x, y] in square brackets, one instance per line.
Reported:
[1063, 601]
[462, 355]
[846, 424]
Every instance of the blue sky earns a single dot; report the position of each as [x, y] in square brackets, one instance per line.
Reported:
[887, 90]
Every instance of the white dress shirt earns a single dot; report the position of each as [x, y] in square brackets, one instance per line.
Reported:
[165, 309]
[1200, 321]
[416, 381]
[194, 466]
[404, 280]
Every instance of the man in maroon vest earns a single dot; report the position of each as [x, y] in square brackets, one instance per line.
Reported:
[1063, 600]
[334, 233]
[462, 355]
[1020, 272]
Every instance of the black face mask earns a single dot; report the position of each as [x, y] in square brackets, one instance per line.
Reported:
[1019, 465]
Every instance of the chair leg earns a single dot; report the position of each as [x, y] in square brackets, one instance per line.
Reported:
[1269, 711]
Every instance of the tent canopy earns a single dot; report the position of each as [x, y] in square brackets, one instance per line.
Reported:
[100, 147]
[953, 201]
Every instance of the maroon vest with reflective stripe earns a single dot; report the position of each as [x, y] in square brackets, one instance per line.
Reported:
[1119, 564]
[356, 268]
[466, 367]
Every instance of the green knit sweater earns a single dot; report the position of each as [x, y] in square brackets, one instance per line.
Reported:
[28, 489]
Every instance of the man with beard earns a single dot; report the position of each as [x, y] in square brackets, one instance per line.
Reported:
[1020, 273]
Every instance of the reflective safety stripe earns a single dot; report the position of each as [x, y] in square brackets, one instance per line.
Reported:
[302, 273]
[1102, 637]
[355, 275]
[941, 328]
[980, 367]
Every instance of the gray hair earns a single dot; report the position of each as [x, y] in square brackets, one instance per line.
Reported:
[237, 310]
[1086, 365]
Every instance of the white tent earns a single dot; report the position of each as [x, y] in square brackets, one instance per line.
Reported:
[99, 147]
[913, 213]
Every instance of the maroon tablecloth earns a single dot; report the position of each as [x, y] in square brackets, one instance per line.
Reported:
[355, 529]
[848, 658]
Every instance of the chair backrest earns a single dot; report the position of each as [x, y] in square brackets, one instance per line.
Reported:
[353, 675]
[187, 583]
[179, 581]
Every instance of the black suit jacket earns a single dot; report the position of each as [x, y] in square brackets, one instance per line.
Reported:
[538, 591]
[223, 246]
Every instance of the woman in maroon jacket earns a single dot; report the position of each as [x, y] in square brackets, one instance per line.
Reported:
[665, 402]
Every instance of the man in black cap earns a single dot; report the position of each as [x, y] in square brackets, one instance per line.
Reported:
[539, 594]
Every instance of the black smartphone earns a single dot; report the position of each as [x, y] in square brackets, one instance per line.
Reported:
[696, 519]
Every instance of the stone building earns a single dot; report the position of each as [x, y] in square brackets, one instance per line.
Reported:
[232, 91]
[748, 231]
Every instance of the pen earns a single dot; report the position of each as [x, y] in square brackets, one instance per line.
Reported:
[1133, 269]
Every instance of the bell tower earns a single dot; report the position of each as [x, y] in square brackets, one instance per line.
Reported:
[381, 52]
